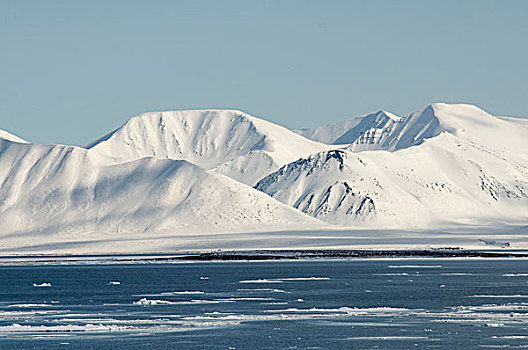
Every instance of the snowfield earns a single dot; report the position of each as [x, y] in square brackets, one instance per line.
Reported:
[444, 175]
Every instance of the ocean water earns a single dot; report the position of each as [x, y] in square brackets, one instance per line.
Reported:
[354, 304]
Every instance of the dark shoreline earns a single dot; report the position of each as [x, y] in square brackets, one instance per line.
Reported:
[264, 255]
[342, 254]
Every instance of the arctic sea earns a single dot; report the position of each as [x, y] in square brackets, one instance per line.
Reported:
[321, 304]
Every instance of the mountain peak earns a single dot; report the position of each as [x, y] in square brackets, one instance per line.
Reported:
[196, 135]
[389, 115]
[229, 141]
[5, 135]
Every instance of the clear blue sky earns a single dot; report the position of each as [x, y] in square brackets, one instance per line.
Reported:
[72, 71]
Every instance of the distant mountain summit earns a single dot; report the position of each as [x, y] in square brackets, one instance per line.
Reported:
[349, 131]
[443, 164]
[4, 135]
[379, 131]
[385, 131]
[231, 142]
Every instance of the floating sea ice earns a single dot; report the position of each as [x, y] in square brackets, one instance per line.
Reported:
[45, 284]
[185, 292]
[18, 328]
[114, 283]
[262, 280]
[494, 325]
[287, 279]
[147, 302]
[498, 296]
[414, 266]
[389, 338]
[304, 279]
[29, 305]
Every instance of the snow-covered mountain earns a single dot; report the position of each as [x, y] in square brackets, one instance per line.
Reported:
[231, 142]
[58, 190]
[5, 135]
[468, 166]
[161, 177]
[345, 132]
[385, 131]
[379, 131]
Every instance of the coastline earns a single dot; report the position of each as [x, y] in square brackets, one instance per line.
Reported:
[262, 255]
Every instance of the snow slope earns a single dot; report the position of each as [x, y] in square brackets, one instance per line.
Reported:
[230, 142]
[330, 133]
[67, 191]
[447, 164]
[4, 135]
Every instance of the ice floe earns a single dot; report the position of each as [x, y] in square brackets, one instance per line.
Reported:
[16, 327]
[40, 285]
[162, 294]
[260, 281]
[286, 279]
[498, 296]
[389, 338]
[414, 266]
[263, 290]
[151, 302]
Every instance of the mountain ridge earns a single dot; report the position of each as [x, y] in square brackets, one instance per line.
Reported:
[173, 173]
[225, 140]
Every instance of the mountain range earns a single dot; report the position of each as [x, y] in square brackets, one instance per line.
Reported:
[202, 172]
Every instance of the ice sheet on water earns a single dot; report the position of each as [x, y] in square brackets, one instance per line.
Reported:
[285, 279]
[18, 328]
[154, 302]
[304, 279]
[389, 338]
[40, 285]
[510, 337]
[29, 305]
[162, 294]
[151, 302]
[414, 266]
[495, 307]
[244, 299]
[498, 296]
[260, 281]
[263, 290]
[348, 310]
